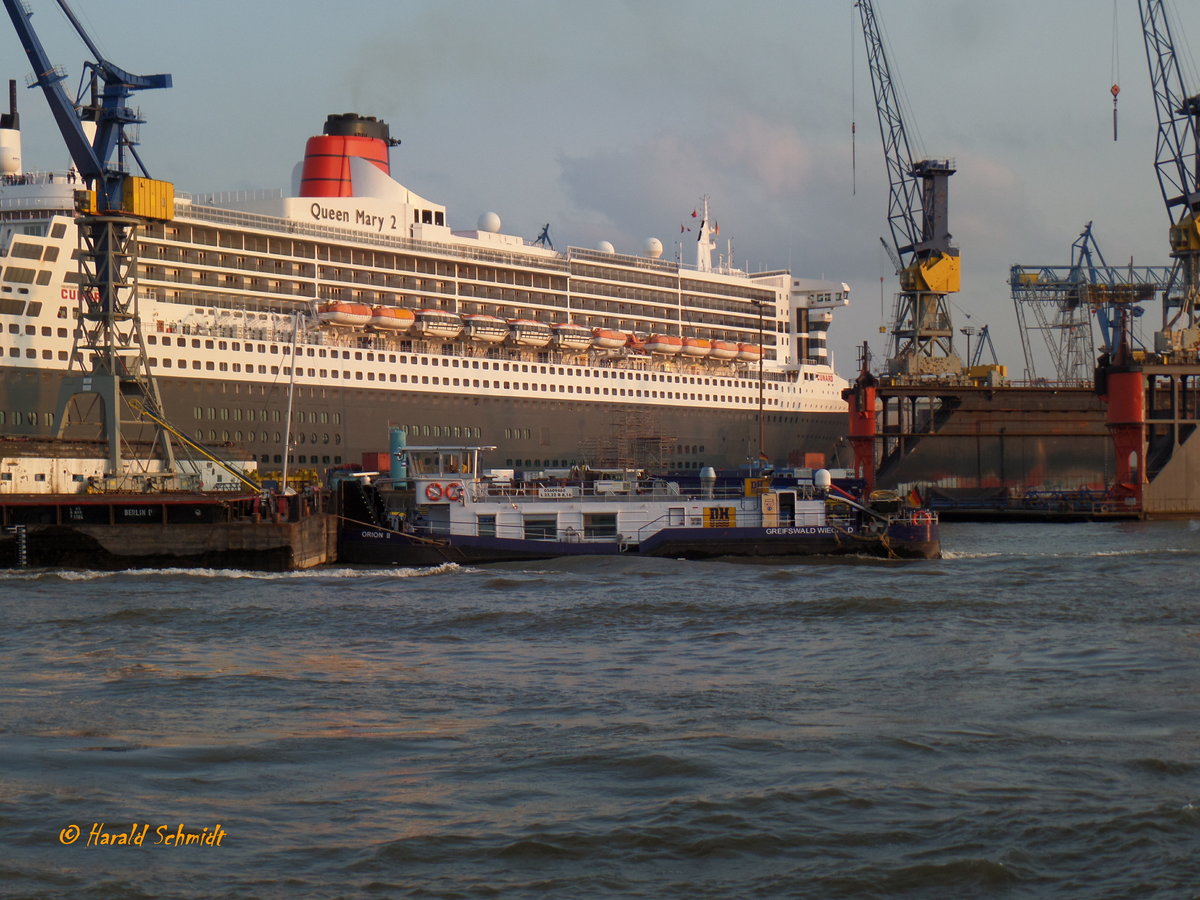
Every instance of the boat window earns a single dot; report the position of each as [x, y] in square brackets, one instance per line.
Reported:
[600, 525]
[540, 527]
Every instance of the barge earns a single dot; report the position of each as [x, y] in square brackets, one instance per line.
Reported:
[442, 508]
[114, 531]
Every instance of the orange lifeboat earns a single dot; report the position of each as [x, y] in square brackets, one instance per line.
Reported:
[724, 350]
[338, 312]
[392, 318]
[664, 344]
[697, 347]
[749, 352]
[607, 339]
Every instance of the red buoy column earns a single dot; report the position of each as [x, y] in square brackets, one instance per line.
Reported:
[861, 398]
[1126, 420]
[1121, 384]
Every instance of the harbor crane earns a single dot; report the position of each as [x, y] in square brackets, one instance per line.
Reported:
[1177, 164]
[1061, 302]
[97, 130]
[922, 333]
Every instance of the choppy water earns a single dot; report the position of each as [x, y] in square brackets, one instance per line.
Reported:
[1016, 720]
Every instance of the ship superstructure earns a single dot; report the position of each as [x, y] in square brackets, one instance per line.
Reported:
[354, 295]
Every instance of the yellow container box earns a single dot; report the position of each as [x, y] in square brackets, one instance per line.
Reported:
[148, 198]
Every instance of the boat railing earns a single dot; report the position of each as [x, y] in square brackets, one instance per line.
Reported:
[655, 525]
[616, 491]
[35, 178]
[198, 209]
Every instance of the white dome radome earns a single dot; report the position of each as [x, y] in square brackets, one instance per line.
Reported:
[653, 248]
[489, 221]
[606, 247]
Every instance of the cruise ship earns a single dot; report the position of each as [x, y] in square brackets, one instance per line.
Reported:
[351, 302]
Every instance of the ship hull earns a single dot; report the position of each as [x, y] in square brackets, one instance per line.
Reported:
[527, 432]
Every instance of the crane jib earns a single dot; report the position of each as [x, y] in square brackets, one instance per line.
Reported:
[99, 160]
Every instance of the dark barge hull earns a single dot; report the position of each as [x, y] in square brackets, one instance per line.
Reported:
[390, 548]
[103, 532]
[901, 541]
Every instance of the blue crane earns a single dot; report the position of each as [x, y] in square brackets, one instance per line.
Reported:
[100, 160]
[918, 202]
[1060, 302]
[108, 335]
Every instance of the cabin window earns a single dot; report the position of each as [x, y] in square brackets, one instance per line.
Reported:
[600, 525]
[540, 528]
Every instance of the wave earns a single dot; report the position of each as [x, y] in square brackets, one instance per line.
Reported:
[1071, 554]
[317, 573]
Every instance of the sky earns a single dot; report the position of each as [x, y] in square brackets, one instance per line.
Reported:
[610, 119]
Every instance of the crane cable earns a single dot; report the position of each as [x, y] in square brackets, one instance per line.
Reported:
[1115, 69]
[853, 101]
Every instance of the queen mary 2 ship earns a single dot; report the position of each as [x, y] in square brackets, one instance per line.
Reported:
[353, 303]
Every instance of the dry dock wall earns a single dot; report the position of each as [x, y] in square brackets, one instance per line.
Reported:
[1175, 491]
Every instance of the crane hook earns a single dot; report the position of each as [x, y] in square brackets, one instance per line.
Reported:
[1116, 89]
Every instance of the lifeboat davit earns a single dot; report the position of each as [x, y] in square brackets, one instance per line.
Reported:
[697, 347]
[664, 344]
[570, 336]
[749, 352]
[528, 333]
[338, 312]
[438, 323]
[724, 350]
[391, 318]
[485, 329]
[607, 339]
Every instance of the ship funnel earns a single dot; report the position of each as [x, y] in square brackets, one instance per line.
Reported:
[326, 171]
[10, 135]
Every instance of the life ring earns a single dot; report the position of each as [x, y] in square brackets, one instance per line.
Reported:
[921, 518]
[433, 491]
[454, 491]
